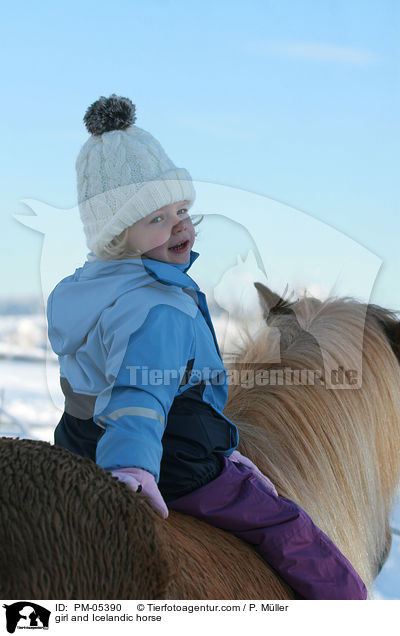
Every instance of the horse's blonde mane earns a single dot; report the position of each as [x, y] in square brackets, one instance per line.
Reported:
[335, 452]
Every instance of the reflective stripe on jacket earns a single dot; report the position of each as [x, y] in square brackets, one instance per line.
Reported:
[124, 332]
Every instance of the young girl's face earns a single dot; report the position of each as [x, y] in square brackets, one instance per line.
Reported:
[157, 234]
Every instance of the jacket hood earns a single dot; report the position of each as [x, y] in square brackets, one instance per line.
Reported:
[77, 302]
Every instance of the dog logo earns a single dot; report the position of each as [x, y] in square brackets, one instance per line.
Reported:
[26, 615]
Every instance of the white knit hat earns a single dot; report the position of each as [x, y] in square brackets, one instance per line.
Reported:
[123, 173]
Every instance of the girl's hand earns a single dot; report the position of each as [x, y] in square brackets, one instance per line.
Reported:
[140, 480]
[241, 459]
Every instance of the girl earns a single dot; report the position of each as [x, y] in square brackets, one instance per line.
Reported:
[141, 369]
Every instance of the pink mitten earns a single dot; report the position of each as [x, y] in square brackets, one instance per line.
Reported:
[140, 480]
[241, 459]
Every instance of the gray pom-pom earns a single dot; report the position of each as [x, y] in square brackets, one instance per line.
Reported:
[109, 113]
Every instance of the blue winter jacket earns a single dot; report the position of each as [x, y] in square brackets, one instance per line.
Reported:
[124, 332]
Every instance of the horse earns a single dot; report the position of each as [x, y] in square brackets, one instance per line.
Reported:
[69, 530]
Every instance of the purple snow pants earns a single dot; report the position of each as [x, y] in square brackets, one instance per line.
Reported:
[280, 531]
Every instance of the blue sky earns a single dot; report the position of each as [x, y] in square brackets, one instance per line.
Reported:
[297, 101]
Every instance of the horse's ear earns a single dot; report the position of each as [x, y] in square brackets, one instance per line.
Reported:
[267, 298]
[392, 331]
[390, 326]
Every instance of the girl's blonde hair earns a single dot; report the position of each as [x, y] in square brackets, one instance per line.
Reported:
[117, 249]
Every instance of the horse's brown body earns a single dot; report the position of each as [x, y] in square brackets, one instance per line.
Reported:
[212, 564]
[69, 530]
